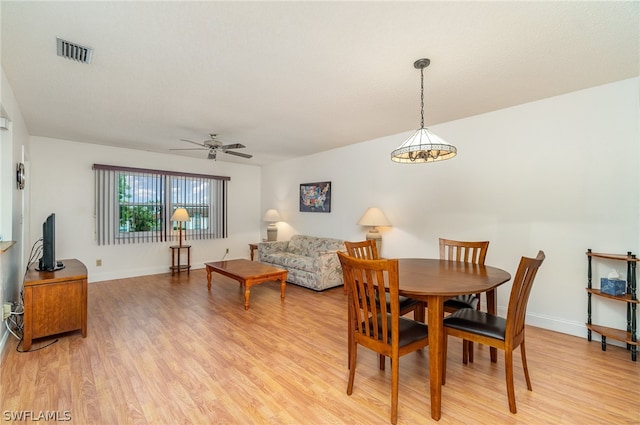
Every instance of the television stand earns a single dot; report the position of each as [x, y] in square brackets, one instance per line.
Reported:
[55, 301]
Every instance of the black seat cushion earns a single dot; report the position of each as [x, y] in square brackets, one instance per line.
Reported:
[478, 322]
[462, 301]
[410, 330]
[405, 302]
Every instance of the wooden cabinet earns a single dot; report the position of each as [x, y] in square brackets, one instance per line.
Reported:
[630, 300]
[55, 302]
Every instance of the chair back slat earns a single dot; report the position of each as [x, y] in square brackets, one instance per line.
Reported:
[463, 252]
[520, 291]
[365, 250]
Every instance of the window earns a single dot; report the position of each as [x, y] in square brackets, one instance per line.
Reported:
[135, 205]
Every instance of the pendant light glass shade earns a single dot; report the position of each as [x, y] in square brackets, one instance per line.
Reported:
[423, 145]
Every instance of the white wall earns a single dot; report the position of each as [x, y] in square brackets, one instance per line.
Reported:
[559, 175]
[63, 183]
[13, 202]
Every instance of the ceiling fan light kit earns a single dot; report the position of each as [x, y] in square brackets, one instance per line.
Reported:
[423, 145]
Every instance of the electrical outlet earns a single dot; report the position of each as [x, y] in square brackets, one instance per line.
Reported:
[6, 310]
[98, 263]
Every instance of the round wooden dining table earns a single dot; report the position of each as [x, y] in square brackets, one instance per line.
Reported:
[435, 281]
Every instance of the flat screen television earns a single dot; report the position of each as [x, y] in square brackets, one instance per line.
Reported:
[48, 260]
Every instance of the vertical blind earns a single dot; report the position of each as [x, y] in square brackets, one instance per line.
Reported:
[134, 205]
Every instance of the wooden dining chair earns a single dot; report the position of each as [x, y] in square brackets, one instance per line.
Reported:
[368, 250]
[502, 333]
[379, 326]
[464, 252]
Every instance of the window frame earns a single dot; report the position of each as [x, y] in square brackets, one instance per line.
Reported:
[108, 204]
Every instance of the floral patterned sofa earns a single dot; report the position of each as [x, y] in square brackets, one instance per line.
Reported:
[311, 261]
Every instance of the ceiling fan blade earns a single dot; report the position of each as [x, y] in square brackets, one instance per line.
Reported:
[244, 155]
[195, 143]
[233, 146]
[189, 149]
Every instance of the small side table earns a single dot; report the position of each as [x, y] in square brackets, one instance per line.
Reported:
[252, 248]
[175, 265]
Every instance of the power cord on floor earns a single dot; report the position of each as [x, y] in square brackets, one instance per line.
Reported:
[16, 320]
[34, 349]
[6, 322]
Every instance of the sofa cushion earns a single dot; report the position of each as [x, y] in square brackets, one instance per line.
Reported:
[291, 261]
[295, 246]
[312, 246]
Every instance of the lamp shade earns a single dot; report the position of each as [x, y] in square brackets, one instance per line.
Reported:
[271, 216]
[180, 214]
[423, 146]
[374, 217]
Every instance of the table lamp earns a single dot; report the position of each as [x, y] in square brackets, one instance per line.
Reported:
[374, 217]
[180, 215]
[271, 216]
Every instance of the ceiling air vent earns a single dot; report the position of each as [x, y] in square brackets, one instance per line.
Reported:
[74, 51]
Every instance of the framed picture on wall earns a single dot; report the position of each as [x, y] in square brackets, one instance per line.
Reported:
[315, 197]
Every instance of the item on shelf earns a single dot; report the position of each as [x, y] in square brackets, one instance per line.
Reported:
[613, 286]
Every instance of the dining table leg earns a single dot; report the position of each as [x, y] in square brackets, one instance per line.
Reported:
[435, 313]
[491, 309]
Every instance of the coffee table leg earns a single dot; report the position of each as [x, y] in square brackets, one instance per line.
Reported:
[247, 293]
[208, 278]
[283, 285]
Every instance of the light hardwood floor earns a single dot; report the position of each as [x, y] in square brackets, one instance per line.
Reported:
[163, 350]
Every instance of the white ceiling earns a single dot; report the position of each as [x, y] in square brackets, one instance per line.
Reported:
[289, 79]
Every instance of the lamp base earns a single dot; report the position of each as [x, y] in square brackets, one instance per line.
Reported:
[375, 235]
[272, 233]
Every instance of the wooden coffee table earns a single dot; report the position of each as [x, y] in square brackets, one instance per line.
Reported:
[248, 273]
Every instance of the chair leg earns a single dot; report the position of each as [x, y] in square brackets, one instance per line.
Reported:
[524, 365]
[418, 313]
[382, 361]
[394, 389]
[444, 358]
[351, 327]
[508, 368]
[353, 354]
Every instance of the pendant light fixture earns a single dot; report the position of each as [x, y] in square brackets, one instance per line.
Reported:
[423, 145]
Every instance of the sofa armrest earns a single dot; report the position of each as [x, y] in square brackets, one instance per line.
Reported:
[270, 247]
[328, 260]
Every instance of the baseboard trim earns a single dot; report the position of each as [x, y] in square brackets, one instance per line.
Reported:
[3, 341]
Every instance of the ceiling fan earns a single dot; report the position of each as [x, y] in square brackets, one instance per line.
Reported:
[213, 145]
